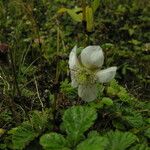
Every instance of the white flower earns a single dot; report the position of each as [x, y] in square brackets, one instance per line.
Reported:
[86, 71]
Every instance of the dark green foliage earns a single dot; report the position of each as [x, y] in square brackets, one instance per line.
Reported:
[40, 40]
[22, 135]
[84, 117]
[120, 141]
[135, 119]
[130, 111]
[147, 132]
[140, 147]
[53, 141]
[95, 143]
[76, 121]
[106, 101]
[68, 90]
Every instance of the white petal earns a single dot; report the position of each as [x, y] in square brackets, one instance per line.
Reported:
[87, 93]
[73, 80]
[106, 75]
[73, 61]
[92, 57]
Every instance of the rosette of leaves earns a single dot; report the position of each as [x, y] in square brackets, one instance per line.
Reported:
[76, 121]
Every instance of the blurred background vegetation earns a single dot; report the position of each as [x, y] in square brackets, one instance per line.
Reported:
[36, 40]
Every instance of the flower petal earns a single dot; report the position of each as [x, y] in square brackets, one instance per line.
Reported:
[92, 57]
[87, 92]
[73, 61]
[73, 80]
[106, 75]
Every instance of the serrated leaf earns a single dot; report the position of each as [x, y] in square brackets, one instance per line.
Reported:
[89, 19]
[53, 141]
[22, 135]
[93, 134]
[120, 140]
[135, 121]
[25, 133]
[140, 147]
[95, 5]
[147, 133]
[123, 95]
[77, 120]
[93, 143]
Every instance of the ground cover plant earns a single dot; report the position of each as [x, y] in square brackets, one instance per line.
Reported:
[57, 92]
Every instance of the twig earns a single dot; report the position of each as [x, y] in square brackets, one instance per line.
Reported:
[38, 95]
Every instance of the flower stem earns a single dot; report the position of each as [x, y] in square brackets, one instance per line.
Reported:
[84, 22]
[56, 82]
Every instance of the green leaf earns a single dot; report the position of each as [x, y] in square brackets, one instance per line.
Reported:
[93, 133]
[113, 89]
[3, 146]
[62, 10]
[107, 101]
[79, 50]
[93, 143]
[95, 5]
[53, 141]
[147, 133]
[27, 93]
[39, 120]
[75, 13]
[140, 147]
[2, 131]
[77, 120]
[118, 124]
[135, 121]
[22, 135]
[123, 95]
[120, 140]
[134, 42]
[89, 19]
[25, 133]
